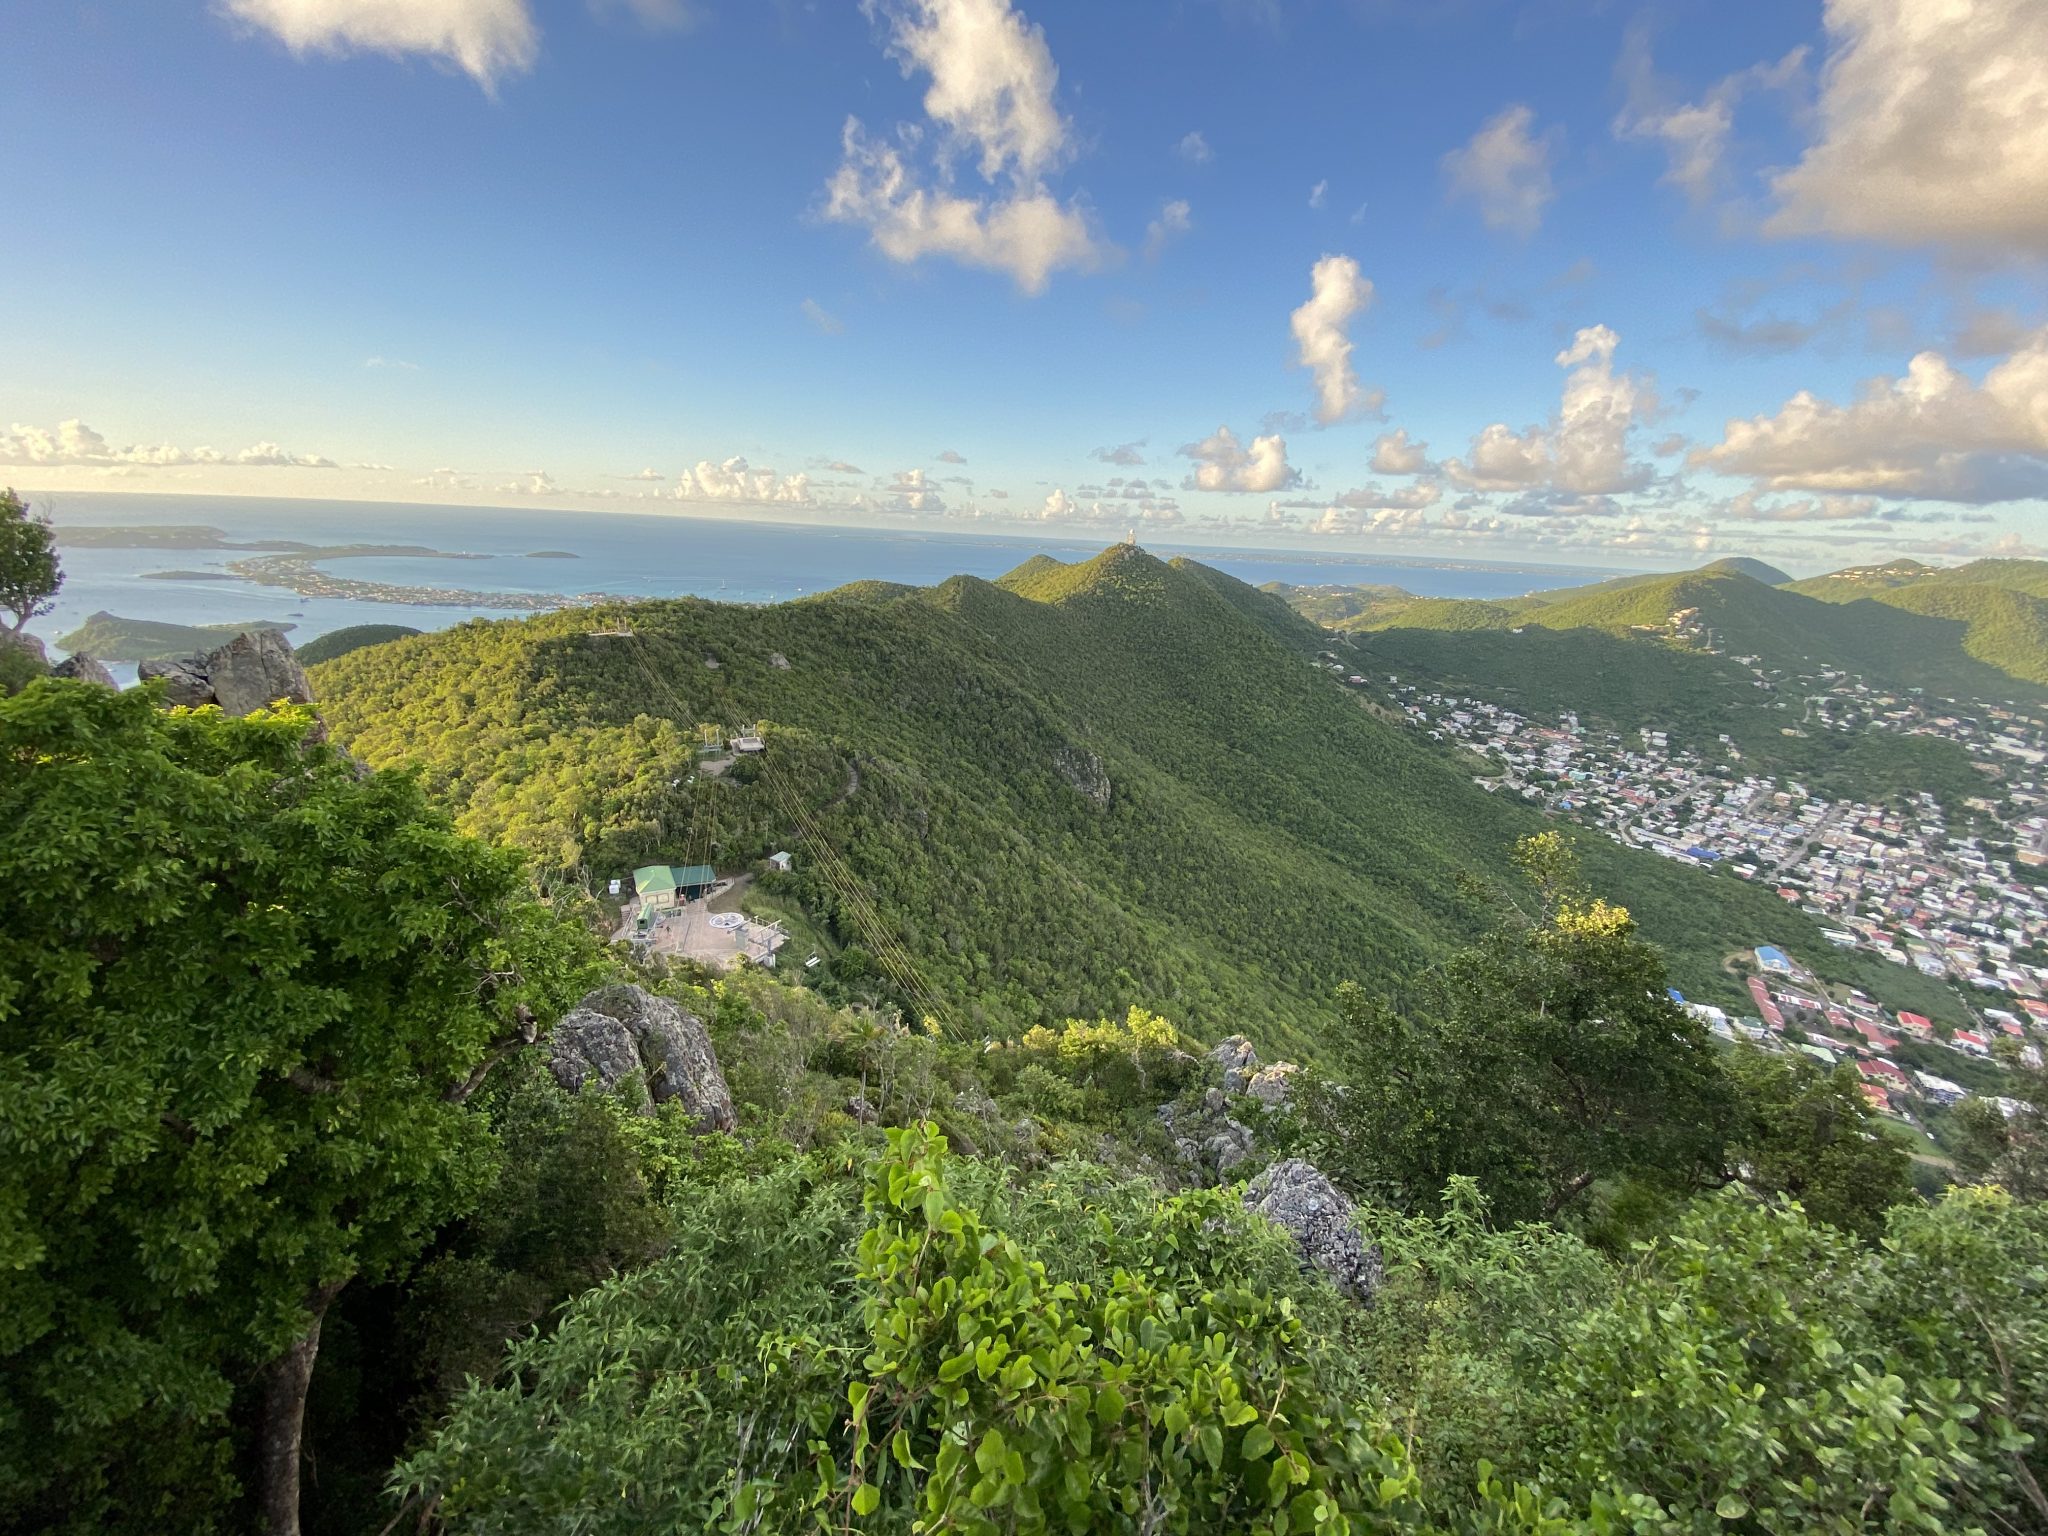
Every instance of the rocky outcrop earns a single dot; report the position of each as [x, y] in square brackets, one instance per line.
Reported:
[1238, 1061]
[82, 668]
[1273, 1085]
[22, 640]
[1084, 774]
[618, 1031]
[1206, 1138]
[1296, 1196]
[252, 671]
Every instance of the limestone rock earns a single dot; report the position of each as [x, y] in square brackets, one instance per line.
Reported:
[1238, 1061]
[252, 671]
[1273, 1085]
[1206, 1139]
[22, 640]
[619, 1030]
[84, 669]
[1296, 1196]
[1084, 774]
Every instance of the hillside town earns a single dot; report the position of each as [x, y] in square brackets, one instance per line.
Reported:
[1956, 900]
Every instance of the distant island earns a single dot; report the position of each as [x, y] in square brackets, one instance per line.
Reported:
[109, 637]
[168, 536]
[552, 554]
[182, 575]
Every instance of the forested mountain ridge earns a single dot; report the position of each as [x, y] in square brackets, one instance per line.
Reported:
[1261, 838]
[1978, 631]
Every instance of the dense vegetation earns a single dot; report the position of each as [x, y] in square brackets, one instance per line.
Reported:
[107, 637]
[273, 1138]
[1141, 756]
[1978, 632]
[339, 642]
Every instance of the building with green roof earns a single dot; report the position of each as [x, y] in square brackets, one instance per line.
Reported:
[661, 886]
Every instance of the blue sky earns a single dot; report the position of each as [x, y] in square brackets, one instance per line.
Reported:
[1627, 283]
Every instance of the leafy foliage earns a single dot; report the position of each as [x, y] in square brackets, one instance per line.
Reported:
[339, 642]
[29, 572]
[241, 988]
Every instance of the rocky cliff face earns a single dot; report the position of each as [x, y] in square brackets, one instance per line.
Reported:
[85, 669]
[251, 672]
[1085, 774]
[618, 1031]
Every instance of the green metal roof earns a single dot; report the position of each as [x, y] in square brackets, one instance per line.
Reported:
[653, 879]
[694, 874]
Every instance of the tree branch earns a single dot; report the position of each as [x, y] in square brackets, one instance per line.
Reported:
[500, 1049]
[306, 1080]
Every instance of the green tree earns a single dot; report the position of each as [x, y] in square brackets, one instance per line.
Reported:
[29, 573]
[1810, 1135]
[1542, 1059]
[245, 990]
[2007, 1143]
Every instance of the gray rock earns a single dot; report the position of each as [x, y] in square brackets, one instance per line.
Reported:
[1208, 1142]
[862, 1111]
[22, 640]
[778, 661]
[1085, 775]
[255, 670]
[84, 669]
[1273, 1085]
[1238, 1061]
[617, 1031]
[252, 671]
[1296, 1196]
[184, 677]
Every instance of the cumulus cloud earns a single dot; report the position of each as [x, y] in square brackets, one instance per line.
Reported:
[1504, 169]
[1338, 294]
[952, 456]
[1394, 454]
[1933, 127]
[735, 480]
[532, 482]
[1584, 451]
[1173, 220]
[1224, 464]
[1123, 453]
[1385, 522]
[73, 443]
[1154, 512]
[487, 39]
[1933, 433]
[1194, 149]
[1379, 498]
[1694, 135]
[990, 101]
[1750, 507]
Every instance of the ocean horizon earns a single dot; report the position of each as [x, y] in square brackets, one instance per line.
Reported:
[618, 554]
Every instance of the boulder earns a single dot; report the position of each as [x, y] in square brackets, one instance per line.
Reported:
[22, 640]
[252, 671]
[1238, 1061]
[1084, 774]
[84, 669]
[1273, 1085]
[1296, 1196]
[619, 1030]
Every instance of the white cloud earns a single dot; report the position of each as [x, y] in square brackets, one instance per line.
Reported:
[1194, 149]
[1317, 192]
[991, 98]
[1123, 453]
[952, 456]
[1384, 522]
[1223, 464]
[489, 39]
[1394, 454]
[1173, 220]
[1407, 498]
[1694, 134]
[1932, 434]
[738, 481]
[1505, 170]
[821, 317]
[1585, 450]
[1933, 127]
[1153, 512]
[73, 443]
[1338, 294]
[534, 482]
[1750, 508]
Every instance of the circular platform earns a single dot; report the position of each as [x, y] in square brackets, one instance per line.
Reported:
[727, 920]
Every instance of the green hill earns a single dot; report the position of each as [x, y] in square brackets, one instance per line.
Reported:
[1080, 788]
[2001, 606]
[109, 637]
[1756, 570]
[339, 642]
